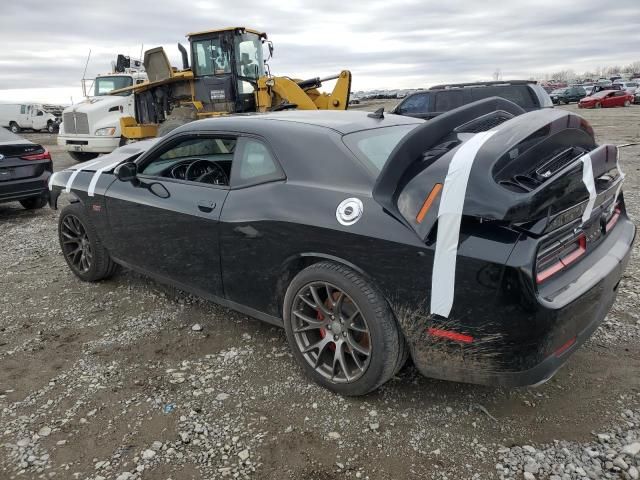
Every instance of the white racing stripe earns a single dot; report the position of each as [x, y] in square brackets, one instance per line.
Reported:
[96, 177]
[75, 174]
[443, 278]
[590, 183]
[622, 175]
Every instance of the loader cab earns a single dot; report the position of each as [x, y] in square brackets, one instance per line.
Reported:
[226, 65]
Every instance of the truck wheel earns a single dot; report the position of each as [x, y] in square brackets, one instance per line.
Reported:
[83, 156]
[33, 203]
[51, 128]
[13, 126]
[169, 125]
[342, 330]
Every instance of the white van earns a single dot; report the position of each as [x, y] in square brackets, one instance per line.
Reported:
[17, 117]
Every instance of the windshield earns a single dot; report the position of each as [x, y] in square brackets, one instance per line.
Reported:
[250, 61]
[373, 147]
[211, 58]
[104, 85]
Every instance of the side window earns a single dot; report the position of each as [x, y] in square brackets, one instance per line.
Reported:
[254, 164]
[23, 109]
[448, 100]
[416, 104]
[195, 159]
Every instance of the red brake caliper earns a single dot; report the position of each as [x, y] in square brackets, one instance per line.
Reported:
[323, 331]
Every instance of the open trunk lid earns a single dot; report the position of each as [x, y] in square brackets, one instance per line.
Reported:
[527, 171]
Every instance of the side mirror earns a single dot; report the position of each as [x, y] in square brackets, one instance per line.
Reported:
[126, 172]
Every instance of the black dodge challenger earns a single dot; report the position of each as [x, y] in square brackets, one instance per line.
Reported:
[488, 243]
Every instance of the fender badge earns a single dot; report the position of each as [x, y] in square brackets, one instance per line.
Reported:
[349, 211]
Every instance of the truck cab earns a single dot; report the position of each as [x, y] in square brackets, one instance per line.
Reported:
[92, 126]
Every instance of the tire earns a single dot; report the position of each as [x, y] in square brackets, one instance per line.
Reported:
[598, 105]
[83, 156]
[627, 103]
[99, 265]
[51, 128]
[13, 126]
[33, 203]
[171, 124]
[363, 304]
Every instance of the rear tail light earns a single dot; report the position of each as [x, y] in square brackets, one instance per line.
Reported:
[558, 256]
[38, 156]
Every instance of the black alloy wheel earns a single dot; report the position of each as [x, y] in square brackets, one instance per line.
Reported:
[331, 332]
[342, 330]
[75, 244]
[81, 245]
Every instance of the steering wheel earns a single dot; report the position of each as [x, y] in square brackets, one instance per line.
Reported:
[206, 171]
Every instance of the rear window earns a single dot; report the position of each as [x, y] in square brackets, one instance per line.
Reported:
[448, 100]
[373, 147]
[518, 94]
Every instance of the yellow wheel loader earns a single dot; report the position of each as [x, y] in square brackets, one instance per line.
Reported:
[227, 74]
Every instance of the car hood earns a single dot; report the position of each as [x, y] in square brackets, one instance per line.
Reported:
[93, 104]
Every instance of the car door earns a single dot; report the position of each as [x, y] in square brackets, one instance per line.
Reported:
[166, 223]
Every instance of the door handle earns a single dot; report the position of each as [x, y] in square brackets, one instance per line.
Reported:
[206, 206]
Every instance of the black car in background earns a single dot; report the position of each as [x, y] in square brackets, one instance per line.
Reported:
[348, 230]
[568, 95]
[25, 168]
[437, 100]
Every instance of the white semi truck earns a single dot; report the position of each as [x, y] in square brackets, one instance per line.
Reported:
[27, 116]
[92, 126]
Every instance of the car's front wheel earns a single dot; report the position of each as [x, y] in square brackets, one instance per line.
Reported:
[81, 246]
[342, 330]
[598, 105]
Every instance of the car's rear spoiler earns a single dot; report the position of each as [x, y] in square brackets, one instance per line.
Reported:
[410, 149]
[530, 168]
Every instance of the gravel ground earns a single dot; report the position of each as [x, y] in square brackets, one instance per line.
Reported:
[130, 379]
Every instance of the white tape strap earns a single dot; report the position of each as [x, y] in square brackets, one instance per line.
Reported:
[590, 183]
[76, 171]
[622, 175]
[51, 180]
[96, 177]
[443, 278]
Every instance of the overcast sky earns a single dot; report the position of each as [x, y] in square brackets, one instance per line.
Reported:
[386, 44]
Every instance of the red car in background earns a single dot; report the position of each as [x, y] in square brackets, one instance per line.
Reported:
[607, 98]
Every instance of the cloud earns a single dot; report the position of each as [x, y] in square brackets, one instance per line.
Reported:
[399, 44]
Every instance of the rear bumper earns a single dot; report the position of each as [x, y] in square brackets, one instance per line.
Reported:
[88, 144]
[555, 327]
[14, 190]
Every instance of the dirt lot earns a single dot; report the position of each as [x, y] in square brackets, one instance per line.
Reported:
[110, 381]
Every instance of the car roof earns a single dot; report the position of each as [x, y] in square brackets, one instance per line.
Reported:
[343, 122]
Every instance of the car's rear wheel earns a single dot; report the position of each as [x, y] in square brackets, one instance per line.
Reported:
[33, 203]
[627, 103]
[83, 156]
[341, 329]
[13, 126]
[81, 246]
